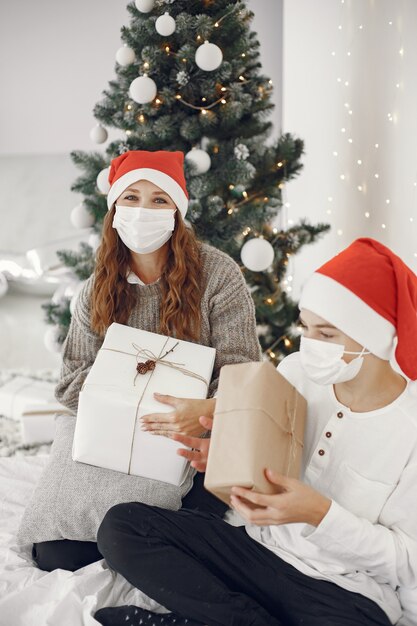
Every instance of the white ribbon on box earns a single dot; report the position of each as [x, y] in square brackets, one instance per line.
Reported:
[115, 395]
[21, 391]
[38, 422]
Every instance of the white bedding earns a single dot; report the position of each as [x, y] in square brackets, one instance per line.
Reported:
[31, 597]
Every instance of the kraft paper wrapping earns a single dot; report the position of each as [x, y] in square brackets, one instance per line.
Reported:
[258, 423]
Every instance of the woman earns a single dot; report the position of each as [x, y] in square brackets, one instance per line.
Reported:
[152, 273]
[335, 547]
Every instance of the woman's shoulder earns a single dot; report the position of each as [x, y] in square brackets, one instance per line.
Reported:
[214, 261]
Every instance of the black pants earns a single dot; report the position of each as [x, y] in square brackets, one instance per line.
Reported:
[72, 555]
[201, 568]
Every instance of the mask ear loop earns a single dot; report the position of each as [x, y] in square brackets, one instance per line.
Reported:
[364, 351]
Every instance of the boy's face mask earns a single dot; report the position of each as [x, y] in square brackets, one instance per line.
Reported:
[323, 363]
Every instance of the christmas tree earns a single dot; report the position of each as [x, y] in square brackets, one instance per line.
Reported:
[188, 78]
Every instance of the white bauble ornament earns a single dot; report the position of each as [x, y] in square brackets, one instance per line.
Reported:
[145, 6]
[94, 241]
[208, 56]
[142, 89]
[4, 285]
[80, 217]
[199, 159]
[74, 298]
[98, 134]
[102, 180]
[125, 55]
[165, 25]
[58, 297]
[257, 255]
[50, 339]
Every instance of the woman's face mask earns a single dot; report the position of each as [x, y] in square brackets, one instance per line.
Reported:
[323, 363]
[144, 230]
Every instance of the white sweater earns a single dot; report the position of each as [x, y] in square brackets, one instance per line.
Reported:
[367, 464]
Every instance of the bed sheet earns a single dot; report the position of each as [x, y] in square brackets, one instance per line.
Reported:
[32, 597]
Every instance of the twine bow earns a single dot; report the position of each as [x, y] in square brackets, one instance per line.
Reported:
[153, 360]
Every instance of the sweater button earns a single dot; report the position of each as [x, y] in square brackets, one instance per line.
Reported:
[328, 434]
[321, 452]
[340, 414]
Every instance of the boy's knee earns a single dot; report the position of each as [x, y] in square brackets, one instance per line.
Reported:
[116, 520]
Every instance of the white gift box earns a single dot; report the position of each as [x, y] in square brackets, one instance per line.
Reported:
[38, 422]
[21, 391]
[115, 396]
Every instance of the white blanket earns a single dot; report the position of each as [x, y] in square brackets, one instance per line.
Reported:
[32, 597]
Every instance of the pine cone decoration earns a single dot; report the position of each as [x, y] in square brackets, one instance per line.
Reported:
[142, 368]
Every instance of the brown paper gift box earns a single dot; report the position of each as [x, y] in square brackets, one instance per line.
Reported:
[258, 423]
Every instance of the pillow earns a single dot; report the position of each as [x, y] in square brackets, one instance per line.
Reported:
[72, 498]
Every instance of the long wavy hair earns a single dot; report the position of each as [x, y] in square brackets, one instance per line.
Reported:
[113, 298]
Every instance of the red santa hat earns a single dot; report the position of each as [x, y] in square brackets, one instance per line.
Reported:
[369, 294]
[162, 168]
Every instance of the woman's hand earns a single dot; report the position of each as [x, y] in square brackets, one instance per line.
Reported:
[197, 456]
[294, 502]
[184, 419]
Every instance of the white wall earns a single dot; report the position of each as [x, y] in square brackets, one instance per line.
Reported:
[59, 57]
[351, 65]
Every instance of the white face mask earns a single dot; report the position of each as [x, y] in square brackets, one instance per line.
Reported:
[323, 363]
[144, 230]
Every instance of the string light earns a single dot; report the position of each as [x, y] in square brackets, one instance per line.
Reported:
[343, 79]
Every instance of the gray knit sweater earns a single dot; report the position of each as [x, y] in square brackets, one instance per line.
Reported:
[227, 324]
